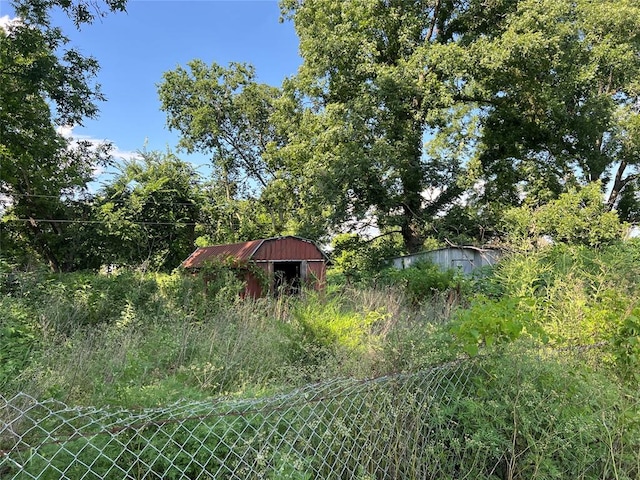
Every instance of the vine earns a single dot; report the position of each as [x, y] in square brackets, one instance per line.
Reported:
[223, 267]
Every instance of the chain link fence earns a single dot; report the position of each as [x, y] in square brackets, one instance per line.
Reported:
[524, 416]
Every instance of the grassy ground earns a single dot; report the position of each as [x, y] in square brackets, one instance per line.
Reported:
[135, 340]
[140, 340]
[132, 341]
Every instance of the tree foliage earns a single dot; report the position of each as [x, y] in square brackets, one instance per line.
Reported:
[226, 113]
[43, 84]
[423, 119]
[374, 100]
[555, 85]
[149, 212]
[541, 99]
[577, 218]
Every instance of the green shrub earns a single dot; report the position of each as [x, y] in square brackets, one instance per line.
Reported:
[164, 448]
[521, 414]
[577, 295]
[525, 413]
[70, 300]
[545, 416]
[359, 259]
[422, 280]
[578, 217]
[19, 341]
[626, 347]
[489, 322]
[322, 327]
[225, 278]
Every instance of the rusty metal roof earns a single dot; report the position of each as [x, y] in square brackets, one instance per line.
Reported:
[240, 251]
[279, 248]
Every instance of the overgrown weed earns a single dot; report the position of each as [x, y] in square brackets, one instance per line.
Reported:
[517, 409]
[134, 339]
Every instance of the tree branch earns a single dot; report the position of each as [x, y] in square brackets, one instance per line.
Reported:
[619, 183]
[434, 21]
[391, 232]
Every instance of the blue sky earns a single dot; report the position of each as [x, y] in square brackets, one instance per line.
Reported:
[135, 48]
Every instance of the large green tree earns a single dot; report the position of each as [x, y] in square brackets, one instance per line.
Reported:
[555, 86]
[426, 117]
[223, 112]
[45, 84]
[147, 215]
[375, 101]
[516, 99]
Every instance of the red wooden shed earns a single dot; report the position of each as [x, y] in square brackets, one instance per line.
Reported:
[289, 262]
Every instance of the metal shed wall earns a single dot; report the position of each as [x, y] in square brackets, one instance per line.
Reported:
[266, 254]
[252, 288]
[316, 274]
[287, 248]
[466, 259]
[315, 277]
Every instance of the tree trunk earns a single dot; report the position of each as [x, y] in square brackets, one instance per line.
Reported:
[413, 184]
[411, 235]
[618, 185]
[412, 208]
[43, 247]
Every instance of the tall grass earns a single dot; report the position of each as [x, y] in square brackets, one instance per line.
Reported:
[133, 339]
[143, 340]
[136, 340]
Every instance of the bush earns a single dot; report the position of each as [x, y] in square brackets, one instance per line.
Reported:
[578, 217]
[545, 415]
[225, 278]
[567, 295]
[626, 347]
[328, 336]
[492, 322]
[360, 260]
[422, 280]
[19, 341]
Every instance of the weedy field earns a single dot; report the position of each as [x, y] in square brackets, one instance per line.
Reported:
[534, 361]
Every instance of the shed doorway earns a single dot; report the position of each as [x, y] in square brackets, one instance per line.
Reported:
[286, 278]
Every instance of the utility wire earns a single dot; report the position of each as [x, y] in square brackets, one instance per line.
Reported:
[53, 220]
[33, 195]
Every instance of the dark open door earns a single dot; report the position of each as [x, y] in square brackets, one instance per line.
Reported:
[286, 278]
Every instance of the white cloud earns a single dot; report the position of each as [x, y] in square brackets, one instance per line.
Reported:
[66, 131]
[100, 174]
[6, 22]
[117, 154]
[126, 155]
